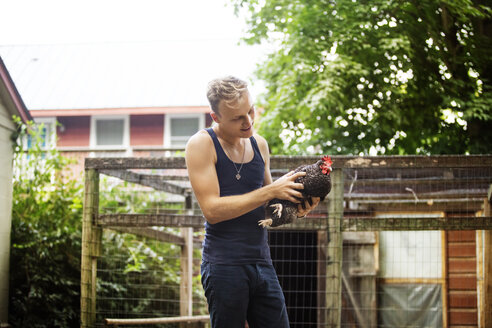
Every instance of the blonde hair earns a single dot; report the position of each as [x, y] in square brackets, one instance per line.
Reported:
[229, 89]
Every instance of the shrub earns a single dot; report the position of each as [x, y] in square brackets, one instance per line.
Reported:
[46, 245]
[45, 239]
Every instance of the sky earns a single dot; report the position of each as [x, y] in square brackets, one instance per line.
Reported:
[121, 28]
[93, 21]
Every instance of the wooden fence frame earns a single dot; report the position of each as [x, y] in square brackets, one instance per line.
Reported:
[93, 222]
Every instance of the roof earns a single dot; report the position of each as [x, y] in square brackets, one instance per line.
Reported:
[124, 75]
[10, 96]
[122, 111]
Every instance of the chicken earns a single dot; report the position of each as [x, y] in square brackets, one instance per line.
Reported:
[317, 183]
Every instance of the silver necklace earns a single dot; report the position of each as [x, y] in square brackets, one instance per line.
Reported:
[238, 176]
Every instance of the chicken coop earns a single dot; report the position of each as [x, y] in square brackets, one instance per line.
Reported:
[400, 241]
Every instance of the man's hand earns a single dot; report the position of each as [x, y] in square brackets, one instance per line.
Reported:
[304, 209]
[286, 188]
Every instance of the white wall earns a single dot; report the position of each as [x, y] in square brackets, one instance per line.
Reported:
[6, 154]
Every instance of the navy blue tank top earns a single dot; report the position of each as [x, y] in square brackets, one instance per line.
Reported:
[239, 240]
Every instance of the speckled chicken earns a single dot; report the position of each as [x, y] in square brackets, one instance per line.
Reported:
[317, 183]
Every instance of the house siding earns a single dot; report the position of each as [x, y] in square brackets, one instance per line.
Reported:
[146, 130]
[146, 137]
[6, 155]
[208, 120]
[74, 131]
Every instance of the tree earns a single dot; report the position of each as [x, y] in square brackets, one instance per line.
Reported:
[393, 77]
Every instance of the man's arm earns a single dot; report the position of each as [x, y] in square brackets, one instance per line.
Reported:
[200, 161]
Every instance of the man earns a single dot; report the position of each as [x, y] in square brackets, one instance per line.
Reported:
[229, 170]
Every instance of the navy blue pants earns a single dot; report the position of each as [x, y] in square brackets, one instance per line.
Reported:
[236, 293]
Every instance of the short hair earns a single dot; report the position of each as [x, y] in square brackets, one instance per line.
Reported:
[229, 89]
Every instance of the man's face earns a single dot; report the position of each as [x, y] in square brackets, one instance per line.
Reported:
[237, 119]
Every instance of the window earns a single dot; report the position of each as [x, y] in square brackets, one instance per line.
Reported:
[110, 132]
[47, 133]
[179, 128]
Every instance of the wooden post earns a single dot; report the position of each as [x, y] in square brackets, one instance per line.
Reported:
[91, 248]
[154, 321]
[186, 284]
[487, 311]
[334, 251]
[321, 274]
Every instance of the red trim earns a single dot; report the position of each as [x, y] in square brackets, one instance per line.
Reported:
[14, 93]
[119, 111]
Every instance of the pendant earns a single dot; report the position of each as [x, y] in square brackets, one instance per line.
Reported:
[238, 176]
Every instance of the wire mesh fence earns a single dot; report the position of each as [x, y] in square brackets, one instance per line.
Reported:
[399, 242]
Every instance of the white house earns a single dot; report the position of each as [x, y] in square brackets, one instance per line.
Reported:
[10, 104]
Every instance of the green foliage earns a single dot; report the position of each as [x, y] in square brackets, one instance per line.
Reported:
[393, 77]
[142, 274]
[46, 246]
[45, 239]
[140, 277]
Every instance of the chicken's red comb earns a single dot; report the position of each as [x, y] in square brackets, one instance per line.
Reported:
[327, 160]
[326, 165]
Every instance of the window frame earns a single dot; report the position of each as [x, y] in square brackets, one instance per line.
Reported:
[126, 132]
[167, 126]
[50, 141]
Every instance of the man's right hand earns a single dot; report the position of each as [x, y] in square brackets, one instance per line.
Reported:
[286, 188]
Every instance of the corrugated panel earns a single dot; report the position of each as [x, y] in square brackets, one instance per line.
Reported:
[118, 75]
